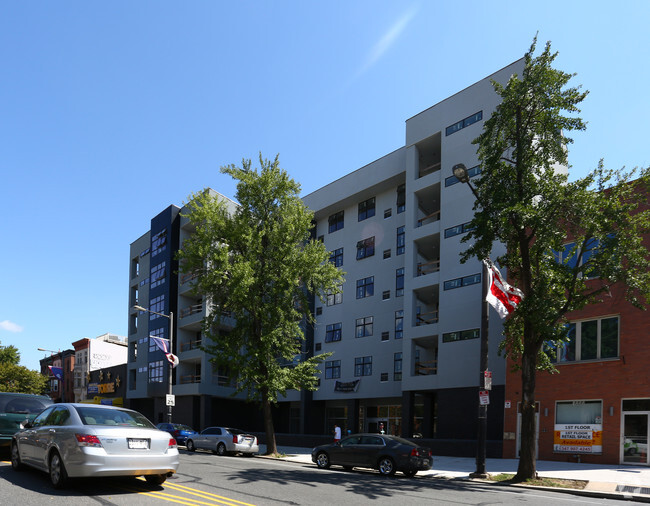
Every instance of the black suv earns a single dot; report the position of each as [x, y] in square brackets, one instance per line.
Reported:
[15, 408]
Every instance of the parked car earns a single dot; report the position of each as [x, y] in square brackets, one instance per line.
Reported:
[178, 430]
[376, 451]
[89, 440]
[15, 409]
[224, 440]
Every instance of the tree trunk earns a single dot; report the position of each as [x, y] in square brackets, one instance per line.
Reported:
[527, 457]
[271, 445]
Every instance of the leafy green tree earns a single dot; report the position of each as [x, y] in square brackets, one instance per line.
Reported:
[9, 355]
[535, 211]
[258, 264]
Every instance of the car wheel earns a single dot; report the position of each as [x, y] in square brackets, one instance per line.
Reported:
[16, 463]
[409, 474]
[155, 479]
[221, 449]
[323, 460]
[190, 445]
[386, 466]
[58, 474]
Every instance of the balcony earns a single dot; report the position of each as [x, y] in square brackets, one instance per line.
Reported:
[185, 278]
[190, 378]
[424, 268]
[190, 310]
[426, 368]
[191, 345]
[430, 218]
[426, 318]
[429, 169]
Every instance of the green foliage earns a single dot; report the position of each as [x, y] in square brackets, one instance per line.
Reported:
[17, 378]
[531, 208]
[257, 266]
[9, 355]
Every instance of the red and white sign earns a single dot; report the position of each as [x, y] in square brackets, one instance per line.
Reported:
[484, 397]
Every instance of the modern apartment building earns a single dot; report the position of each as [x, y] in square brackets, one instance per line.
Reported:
[404, 332]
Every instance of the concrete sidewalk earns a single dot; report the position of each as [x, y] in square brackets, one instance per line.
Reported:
[620, 482]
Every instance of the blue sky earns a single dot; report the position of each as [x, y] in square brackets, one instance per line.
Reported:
[111, 111]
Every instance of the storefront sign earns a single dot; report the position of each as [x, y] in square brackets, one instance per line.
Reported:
[580, 438]
[93, 388]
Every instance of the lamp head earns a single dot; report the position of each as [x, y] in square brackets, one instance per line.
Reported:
[460, 171]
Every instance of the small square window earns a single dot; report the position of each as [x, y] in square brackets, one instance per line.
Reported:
[386, 253]
[319, 311]
[384, 376]
[388, 212]
[385, 336]
[319, 346]
[385, 295]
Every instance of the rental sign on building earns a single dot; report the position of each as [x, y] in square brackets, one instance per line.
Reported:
[581, 438]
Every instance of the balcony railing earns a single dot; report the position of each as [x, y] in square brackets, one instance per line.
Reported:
[424, 171]
[190, 310]
[430, 218]
[427, 318]
[188, 277]
[190, 378]
[191, 345]
[425, 268]
[426, 368]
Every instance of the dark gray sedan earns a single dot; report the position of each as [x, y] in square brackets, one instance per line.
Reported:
[84, 440]
[385, 453]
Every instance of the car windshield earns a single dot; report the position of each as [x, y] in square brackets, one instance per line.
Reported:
[103, 416]
[235, 432]
[25, 405]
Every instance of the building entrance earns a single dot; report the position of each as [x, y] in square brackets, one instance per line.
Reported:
[635, 438]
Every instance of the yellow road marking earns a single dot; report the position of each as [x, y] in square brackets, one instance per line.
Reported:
[212, 498]
[207, 495]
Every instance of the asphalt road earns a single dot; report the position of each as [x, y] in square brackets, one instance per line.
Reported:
[207, 480]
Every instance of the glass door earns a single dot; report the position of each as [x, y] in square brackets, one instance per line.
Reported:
[635, 438]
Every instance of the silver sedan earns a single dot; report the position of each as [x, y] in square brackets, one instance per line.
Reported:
[224, 440]
[84, 440]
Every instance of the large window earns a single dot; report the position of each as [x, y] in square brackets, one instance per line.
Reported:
[335, 222]
[401, 240]
[470, 120]
[457, 230]
[363, 366]
[157, 275]
[397, 366]
[589, 340]
[464, 281]
[399, 324]
[365, 287]
[401, 198]
[156, 372]
[334, 298]
[155, 333]
[399, 282]
[474, 171]
[157, 304]
[578, 426]
[363, 327]
[366, 248]
[158, 243]
[336, 257]
[572, 254]
[333, 369]
[461, 335]
[333, 332]
[367, 209]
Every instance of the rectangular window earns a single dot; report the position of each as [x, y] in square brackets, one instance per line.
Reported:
[333, 369]
[155, 333]
[470, 120]
[399, 282]
[461, 335]
[366, 248]
[397, 366]
[578, 427]
[363, 327]
[363, 366]
[157, 277]
[383, 377]
[156, 372]
[365, 287]
[571, 254]
[159, 243]
[457, 230]
[367, 209]
[464, 281]
[334, 298]
[333, 332]
[336, 222]
[399, 324]
[156, 304]
[401, 240]
[336, 257]
[401, 198]
[388, 213]
[474, 171]
[589, 340]
[386, 254]
[385, 336]
[385, 295]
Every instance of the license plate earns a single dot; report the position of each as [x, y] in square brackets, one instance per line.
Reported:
[138, 444]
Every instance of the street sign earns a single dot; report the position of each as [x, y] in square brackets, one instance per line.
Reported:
[487, 380]
[170, 400]
[484, 397]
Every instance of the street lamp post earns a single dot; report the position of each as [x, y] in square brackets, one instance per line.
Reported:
[460, 171]
[170, 317]
[61, 381]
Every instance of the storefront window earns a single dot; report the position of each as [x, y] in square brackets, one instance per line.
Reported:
[578, 427]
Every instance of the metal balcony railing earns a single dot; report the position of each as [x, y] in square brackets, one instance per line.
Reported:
[424, 171]
[191, 345]
[190, 378]
[190, 310]
[430, 218]
[188, 277]
[427, 318]
[426, 368]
